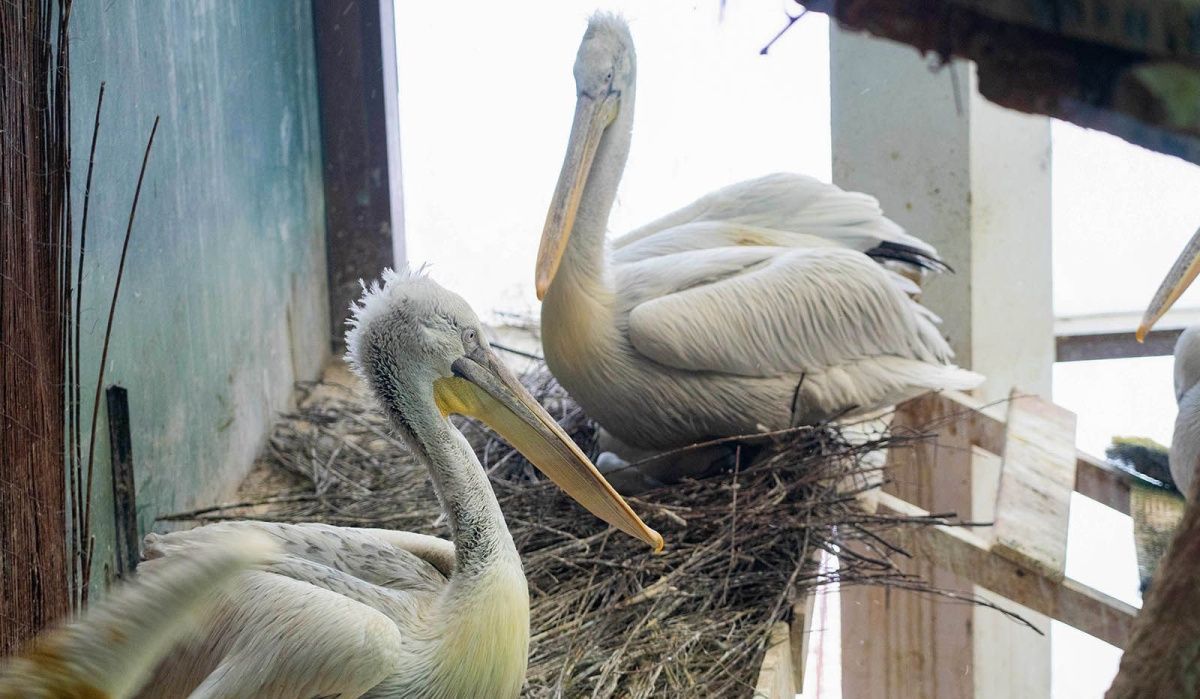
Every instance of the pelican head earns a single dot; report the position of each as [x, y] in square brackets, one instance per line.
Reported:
[605, 71]
[422, 351]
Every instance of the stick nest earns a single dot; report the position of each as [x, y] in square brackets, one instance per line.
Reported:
[610, 619]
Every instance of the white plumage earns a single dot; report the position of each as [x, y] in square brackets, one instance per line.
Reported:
[345, 612]
[349, 612]
[768, 303]
[1185, 442]
[112, 651]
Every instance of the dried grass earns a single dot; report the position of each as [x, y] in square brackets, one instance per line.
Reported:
[609, 618]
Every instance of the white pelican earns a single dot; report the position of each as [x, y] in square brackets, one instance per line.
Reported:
[350, 612]
[112, 651]
[1185, 443]
[760, 306]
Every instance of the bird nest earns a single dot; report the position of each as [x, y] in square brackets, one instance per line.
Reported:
[609, 618]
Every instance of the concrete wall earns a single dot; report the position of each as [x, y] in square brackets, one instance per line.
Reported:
[224, 304]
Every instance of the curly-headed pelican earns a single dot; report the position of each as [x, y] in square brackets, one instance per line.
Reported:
[766, 304]
[347, 612]
[1185, 443]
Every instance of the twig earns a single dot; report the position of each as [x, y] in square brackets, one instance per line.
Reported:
[112, 311]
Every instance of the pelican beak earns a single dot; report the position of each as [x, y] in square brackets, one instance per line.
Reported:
[1182, 273]
[483, 388]
[592, 117]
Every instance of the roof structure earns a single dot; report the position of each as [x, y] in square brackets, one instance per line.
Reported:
[1128, 67]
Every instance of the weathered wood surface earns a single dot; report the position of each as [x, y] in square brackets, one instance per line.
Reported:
[1167, 28]
[1127, 75]
[1033, 502]
[120, 439]
[800, 637]
[775, 678]
[1093, 477]
[963, 552]
[898, 644]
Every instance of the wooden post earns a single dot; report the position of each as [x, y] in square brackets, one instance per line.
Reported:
[973, 180]
[123, 482]
[33, 182]
[356, 73]
[902, 644]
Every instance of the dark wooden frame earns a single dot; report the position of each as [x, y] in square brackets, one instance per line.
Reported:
[356, 80]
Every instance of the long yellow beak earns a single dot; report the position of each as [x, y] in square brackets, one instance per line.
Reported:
[484, 388]
[1182, 273]
[592, 116]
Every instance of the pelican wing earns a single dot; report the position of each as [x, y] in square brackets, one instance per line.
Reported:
[359, 551]
[326, 617]
[277, 637]
[785, 203]
[113, 649]
[773, 311]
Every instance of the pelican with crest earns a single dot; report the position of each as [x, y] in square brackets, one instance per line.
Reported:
[347, 612]
[766, 304]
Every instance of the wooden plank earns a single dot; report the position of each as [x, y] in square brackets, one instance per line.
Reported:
[800, 635]
[775, 676]
[361, 181]
[1101, 482]
[1093, 476]
[960, 551]
[126, 541]
[1033, 503]
[898, 644]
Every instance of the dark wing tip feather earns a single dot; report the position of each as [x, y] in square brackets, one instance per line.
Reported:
[904, 253]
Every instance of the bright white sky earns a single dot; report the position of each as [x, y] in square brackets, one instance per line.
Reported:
[486, 97]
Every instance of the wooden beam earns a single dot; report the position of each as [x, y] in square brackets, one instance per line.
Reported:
[800, 637]
[120, 439]
[362, 214]
[1121, 345]
[1101, 482]
[898, 644]
[1033, 503]
[775, 675]
[964, 553]
[1094, 477]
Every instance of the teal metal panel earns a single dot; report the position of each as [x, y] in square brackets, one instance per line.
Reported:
[224, 302]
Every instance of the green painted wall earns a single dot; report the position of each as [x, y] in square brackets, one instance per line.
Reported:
[223, 305]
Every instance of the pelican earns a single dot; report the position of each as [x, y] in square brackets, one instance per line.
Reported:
[760, 306]
[1185, 442]
[112, 651]
[347, 612]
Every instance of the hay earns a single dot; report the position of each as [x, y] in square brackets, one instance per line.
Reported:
[609, 618]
